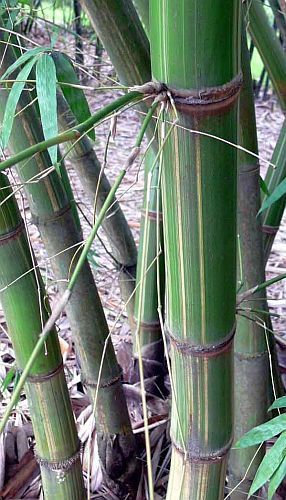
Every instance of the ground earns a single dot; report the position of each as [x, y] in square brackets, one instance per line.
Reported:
[130, 195]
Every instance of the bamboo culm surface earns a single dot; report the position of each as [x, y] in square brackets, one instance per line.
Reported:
[199, 214]
[57, 443]
[251, 362]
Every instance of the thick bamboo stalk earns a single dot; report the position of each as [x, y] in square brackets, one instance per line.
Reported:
[268, 46]
[199, 210]
[24, 303]
[119, 235]
[52, 213]
[251, 361]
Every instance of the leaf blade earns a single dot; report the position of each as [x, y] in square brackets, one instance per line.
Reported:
[269, 464]
[262, 432]
[277, 478]
[74, 96]
[46, 83]
[278, 192]
[278, 403]
[13, 100]
[21, 60]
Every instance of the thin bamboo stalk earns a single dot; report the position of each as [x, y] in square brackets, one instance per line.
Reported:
[148, 325]
[119, 235]
[199, 210]
[268, 46]
[251, 361]
[25, 307]
[52, 213]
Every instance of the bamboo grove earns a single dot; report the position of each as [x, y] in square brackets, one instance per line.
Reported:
[191, 288]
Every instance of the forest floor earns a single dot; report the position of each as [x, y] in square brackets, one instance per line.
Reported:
[269, 119]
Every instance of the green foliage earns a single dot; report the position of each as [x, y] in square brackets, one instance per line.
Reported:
[278, 403]
[8, 379]
[50, 70]
[12, 101]
[21, 60]
[263, 432]
[46, 83]
[74, 96]
[273, 465]
[263, 186]
[277, 478]
[270, 463]
[278, 192]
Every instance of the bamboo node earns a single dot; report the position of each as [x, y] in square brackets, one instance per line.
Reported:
[196, 455]
[204, 96]
[44, 220]
[35, 379]
[11, 235]
[102, 385]
[132, 157]
[205, 351]
[61, 467]
[270, 229]
[153, 215]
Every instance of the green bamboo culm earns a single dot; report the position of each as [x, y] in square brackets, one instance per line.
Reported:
[199, 214]
[25, 307]
[251, 362]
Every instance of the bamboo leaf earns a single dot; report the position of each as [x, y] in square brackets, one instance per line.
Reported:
[8, 379]
[278, 403]
[21, 60]
[269, 464]
[46, 84]
[278, 192]
[277, 478]
[262, 432]
[263, 186]
[73, 95]
[12, 101]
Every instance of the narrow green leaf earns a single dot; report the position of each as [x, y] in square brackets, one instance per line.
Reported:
[21, 60]
[278, 403]
[277, 478]
[262, 432]
[269, 464]
[93, 259]
[278, 192]
[46, 85]
[74, 96]
[8, 379]
[263, 186]
[12, 101]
